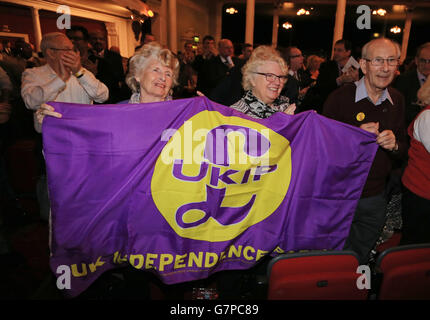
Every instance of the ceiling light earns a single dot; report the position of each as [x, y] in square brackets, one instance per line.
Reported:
[231, 10]
[380, 12]
[287, 25]
[396, 29]
[303, 12]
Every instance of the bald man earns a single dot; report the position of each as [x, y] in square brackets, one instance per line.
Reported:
[372, 105]
[62, 79]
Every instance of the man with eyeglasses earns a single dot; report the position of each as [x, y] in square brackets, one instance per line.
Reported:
[372, 105]
[61, 79]
[299, 80]
[411, 81]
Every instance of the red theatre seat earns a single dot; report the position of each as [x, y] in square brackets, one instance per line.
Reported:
[405, 272]
[315, 275]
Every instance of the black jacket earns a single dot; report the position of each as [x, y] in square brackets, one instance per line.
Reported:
[408, 84]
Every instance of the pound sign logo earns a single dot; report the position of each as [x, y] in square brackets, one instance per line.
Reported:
[229, 186]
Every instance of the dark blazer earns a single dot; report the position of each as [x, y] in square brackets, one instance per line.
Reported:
[304, 78]
[229, 90]
[213, 73]
[325, 84]
[291, 89]
[408, 84]
[110, 71]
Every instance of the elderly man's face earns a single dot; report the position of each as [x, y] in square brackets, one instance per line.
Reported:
[226, 49]
[61, 46]
[379, 77]
[423, 61]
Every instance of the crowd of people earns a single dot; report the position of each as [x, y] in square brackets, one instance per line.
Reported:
[376, 97]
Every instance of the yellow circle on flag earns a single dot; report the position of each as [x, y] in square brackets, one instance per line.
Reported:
[245, 192]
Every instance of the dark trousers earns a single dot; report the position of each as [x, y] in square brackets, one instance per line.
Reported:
[369, 220]
[416, 218]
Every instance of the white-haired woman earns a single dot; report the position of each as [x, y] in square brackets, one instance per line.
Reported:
[264, 76]
[416, 177]
[153, 71]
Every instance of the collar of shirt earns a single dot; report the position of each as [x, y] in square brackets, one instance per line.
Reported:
[421, 78]
[49, 71]
[227, 60]
[339, 68]
[101, 53]
[361, 93]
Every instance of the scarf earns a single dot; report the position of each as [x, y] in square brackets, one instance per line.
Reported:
[262, 110]
[135, 98]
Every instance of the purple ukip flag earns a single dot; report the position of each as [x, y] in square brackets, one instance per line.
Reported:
[187, 188]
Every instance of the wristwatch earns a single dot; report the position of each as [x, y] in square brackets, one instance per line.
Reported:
[80, 73]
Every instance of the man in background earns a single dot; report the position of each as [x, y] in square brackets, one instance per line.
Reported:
[331, 76]
[411, 81]
[110, 69]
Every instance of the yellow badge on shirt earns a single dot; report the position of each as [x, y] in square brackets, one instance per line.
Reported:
[360, 116]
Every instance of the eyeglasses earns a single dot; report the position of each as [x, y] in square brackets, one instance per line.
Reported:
[379, 62]
[272, 77]
[424, 61]
[62, 49]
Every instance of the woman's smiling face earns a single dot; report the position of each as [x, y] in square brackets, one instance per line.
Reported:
[267, 91]
[155, 82]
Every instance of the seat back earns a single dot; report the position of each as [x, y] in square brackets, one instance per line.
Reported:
[405, 272]
[321, 275]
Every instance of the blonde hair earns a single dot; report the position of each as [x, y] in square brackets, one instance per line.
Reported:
[423, 93]
[313, 62]
[140, 61]
[259, 56]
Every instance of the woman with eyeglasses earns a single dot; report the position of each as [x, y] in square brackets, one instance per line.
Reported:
[264, 76]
